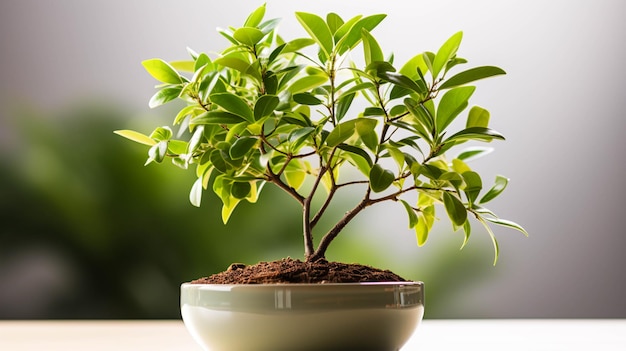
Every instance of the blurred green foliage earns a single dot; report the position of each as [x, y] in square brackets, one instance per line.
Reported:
[74, 187]
[88, 232]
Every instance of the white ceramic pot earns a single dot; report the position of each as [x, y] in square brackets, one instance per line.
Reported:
[302, 317]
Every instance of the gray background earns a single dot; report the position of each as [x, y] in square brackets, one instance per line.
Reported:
[560, 107]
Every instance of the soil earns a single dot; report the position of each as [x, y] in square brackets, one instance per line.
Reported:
[292, 271]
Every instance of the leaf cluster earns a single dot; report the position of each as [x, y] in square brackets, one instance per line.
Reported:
[298, 114]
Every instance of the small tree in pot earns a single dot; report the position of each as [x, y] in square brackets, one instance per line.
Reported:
[297, 114]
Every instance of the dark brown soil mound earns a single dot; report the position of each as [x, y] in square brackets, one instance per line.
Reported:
[295, 271]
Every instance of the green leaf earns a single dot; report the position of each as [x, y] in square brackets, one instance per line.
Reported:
[233, 104]
[473, 185]
[228, 208]
[299, 136]
[210, 84]
[342, 132]
[467, 230]
[359, 157]
[254, 70]
[216, 117]
[196, 139]
[499, 186]
[453, 62]
[248, 36]
[255, 18]
[297, 44]
[275, 53]
[402, 81]
[271, 84]
[446, 52]
[191, 110]
[218, 160]
[307, 83]
[161, 133]
[371, 48]
[343, 30]
[306, 98]
[398, 92]
[195, 195]
[265, 106]
[412, 66]
[410, 213]
[427, 199]
[425, 220]
[136, 137]
[496, 248]
[318, 30]
[255, 191]
[184, 66]
[397, 110]
[429, 57]
[157, 152]
[227, 35]
[475, 133]
[452, 103]
[299, 117]
[473, 152]
[396, 155]
[431, 171]
[373, 111]
[453, 177]
[235, 131]
[478, 117]
[455, 208]
[343, 105]
[334, 21]
[162, 71]
[177, 147]
[377, 67]
[483, 211]
[423, 117]
[269, 25]
[352, 38]
[507, 223]
[287, 75]
[410, 141]
[233, 62]
[356, 88]
[295, 174]
[380, 178]
[471, 75]
[203, 60]
[165, 95]
[240, 190]
[460, 166]
[241, 147]
[366, 129]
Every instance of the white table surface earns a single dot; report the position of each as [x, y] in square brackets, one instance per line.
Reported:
[509, 334]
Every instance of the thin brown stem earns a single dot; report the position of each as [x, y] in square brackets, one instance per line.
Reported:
[354, 182]
[306, 216]
[275, 179]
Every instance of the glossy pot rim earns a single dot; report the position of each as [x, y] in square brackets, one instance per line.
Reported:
[296, 285]
[281, 297]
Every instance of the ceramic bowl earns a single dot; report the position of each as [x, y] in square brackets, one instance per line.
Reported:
[302, 317]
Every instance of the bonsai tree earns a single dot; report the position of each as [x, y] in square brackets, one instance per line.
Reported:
[326, 114]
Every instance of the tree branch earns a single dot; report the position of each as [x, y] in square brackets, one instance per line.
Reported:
[275, 179]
